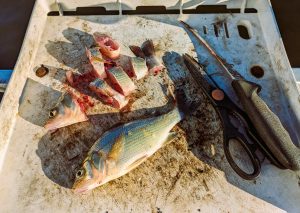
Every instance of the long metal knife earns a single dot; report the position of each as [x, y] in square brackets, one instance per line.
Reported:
[266, 123]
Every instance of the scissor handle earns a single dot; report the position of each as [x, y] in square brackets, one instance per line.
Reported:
[231, 132]
[254, 159]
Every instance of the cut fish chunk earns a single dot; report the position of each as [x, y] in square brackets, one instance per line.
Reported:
[120, 80]
[135, 67]
[97, 62]
[108, 46]
[154, 65]
[77, 80]
[67, 112]
[139, 67]
[107, 94]
[124, 61]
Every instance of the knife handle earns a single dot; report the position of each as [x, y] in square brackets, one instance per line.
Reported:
[267, 124]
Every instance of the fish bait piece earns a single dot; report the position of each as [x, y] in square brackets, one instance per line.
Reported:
[97, 62]
[107, 94]
[152, 61]
[139, 67]
[122, 149]
[108, 46]
[79, 80]
[124, 61]
[120, 81]
[67, 112]
[135, 67]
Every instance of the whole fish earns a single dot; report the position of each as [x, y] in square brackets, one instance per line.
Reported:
[122, 149]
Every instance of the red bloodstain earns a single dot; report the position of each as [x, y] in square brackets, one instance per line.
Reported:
[108, 65]
[81, 83]
[85, 102]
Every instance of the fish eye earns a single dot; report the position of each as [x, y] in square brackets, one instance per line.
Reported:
[80, 173]
[53, 113]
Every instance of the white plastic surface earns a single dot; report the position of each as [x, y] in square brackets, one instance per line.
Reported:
[24, 185]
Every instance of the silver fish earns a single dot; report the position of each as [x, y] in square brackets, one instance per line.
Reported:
[122, 149]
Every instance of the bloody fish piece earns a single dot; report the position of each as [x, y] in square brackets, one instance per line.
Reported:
[97, 62]
[135, 67]
[124, 61]
[66, 112]
[77, 80]
[153, 64]
[120, 80]
[108, 46]
[107, 94]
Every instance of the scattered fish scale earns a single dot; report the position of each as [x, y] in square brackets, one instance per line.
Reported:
[120, 80]
[107, 94]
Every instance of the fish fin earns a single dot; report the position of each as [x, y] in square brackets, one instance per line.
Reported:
[171, 137]
[116, 148]
[136, 162]
[148, 48]
[137, 51]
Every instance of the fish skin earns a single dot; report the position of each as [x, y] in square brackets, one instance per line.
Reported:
[120, 150]
[139, 67]
[152, 61]
[97, 62]
[147, 52]
[135, 67]
[68, 112]
[107, 94]
[121, 81]
[108, 47]
[124, 61]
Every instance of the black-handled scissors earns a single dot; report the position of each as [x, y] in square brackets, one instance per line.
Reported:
[236, 124]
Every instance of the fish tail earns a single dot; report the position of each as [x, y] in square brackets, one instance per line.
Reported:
[185, 106]
[137, 51]
[148, 48]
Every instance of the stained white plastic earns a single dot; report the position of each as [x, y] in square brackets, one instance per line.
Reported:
[24, 186]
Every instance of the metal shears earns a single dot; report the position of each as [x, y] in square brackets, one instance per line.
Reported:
[262, 126]
[237, 127]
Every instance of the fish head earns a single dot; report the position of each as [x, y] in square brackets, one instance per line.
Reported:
[91, 174]
[66, 112]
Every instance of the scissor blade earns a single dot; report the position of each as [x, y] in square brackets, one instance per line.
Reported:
[229, 71]
[198, 74]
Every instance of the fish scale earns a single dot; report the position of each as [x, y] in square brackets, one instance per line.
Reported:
[121, 80]
[158, 129]
[120, 75]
